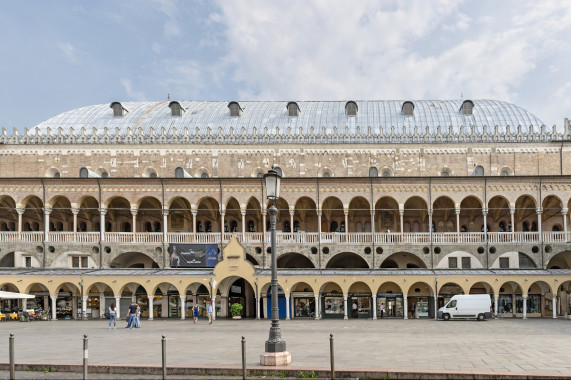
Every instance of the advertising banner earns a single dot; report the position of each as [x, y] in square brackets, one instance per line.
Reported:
[193, 255]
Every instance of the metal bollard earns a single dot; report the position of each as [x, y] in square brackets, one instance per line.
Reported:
[12, 364]
[164, 348]
[85, 355]
[243, 358]
[332, 356]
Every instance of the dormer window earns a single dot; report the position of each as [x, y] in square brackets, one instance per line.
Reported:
[467, 108]
[176, 109]
[235, 109]
[293, 109]
[118, 109]
[86, 173]
[181, 173]
[408, 108]
[351, 109]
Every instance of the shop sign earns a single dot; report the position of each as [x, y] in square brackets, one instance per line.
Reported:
[40, 294]
[64, 294]
[360, 294]
[389, 295]
[332, 295]
[193, 255]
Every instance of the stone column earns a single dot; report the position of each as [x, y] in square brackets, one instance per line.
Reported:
[539, 212]
[512, 214]
[374, 306]
[317, 307]
[373, 226]
[54, 306]
[194, 213]
[75, 211]
[524, 306]
[84, 307]
[405, 306]
[554, 300]
[264, 211]
[20, 212]
[24, 304]
[118, 305]
[401, 213]
[222, 215]
[101, 304]
[257, 307]
[134, 213]
[182, 307]
[213, 300]
[345, 306]
[287, 307]
[430, 225]
[102, 212]
[457, 223]
[346, 212]
[151, 307]
[496, 298]
[74, 307]
[564, 212]
[47, 213]
[291, 214]
[243, 212]
[165, 226]
[319, 223]
[485, 215]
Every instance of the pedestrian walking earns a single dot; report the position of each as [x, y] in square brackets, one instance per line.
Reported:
[195, 313]
[112, 316]
[209, 310]
[382, 310]
[131, 315]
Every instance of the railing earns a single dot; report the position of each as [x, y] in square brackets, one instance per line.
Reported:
[380, 238]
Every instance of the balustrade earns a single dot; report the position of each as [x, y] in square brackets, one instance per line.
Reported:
[380, 238]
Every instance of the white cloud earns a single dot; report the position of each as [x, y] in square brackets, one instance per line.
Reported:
[68, 50]
[370, 50]
[135, 95]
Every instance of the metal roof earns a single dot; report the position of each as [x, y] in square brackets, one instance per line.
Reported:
[323, 117]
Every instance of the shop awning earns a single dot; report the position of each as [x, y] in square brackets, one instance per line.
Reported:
[14, 296]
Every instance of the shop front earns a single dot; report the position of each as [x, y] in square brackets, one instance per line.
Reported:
[332, 305]
[64, 305]
[360, 305]
[303, 304]
[392, 304]
[421, 307]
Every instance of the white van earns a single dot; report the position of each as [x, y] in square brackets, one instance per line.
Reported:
[477, 306]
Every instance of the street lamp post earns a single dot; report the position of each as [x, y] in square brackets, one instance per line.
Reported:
[276, 353]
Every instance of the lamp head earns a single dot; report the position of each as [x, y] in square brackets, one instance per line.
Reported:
[272, 179]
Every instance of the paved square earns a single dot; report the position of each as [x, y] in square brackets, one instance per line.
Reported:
[515, 345]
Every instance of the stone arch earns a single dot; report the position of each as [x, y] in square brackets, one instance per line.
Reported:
[333, 215]
[346, 260]
[88, 216]
[415, 217]
[525, 214]
[118, 217]
[444, 261]
[562, 260]
[235, 289]
[306, 213]
[331, 300]
[402, 260]
[208, 215]
[387, 217]
[33, 217]
[133, 259]
[254, 215]
[420, 300]
[8, 214]
[471, 217]
[444, 214]
[449, 289]
[232, 216]
[507, 304]
[551, 215]
[481, 287]
[294, 260]
[515, 260]
[7, 260]
[9, 287]
[180, 215]
[359, 215]
[498, 214]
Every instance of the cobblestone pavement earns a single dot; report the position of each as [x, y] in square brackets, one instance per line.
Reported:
[514, 345]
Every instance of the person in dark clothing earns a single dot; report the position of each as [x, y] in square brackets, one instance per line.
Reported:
[131, 314]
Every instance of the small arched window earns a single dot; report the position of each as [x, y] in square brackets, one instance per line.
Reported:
[148, 227]
[118, 109]
[525, 227]
[251, 226]
[533, 227]
[296, 226]
[478, 171]
[157, 227]
[293, 109]
[555, 228]
[208, 226]
[176, 109]
[233, 226]
[127, 227]
[502, 227]
[334, 227]
[108, 227]
[342, 227]
[199, 227]
[351, 108]
[373, 172]
[408, 108]
[204, 175]
[235, 109]
[467, 107]
[287, 226]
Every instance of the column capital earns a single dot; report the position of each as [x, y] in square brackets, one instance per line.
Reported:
[457, 211]
[134, 211]
[512, 211]
[150, 297]
[20, 211]
[524, 296]
[292, 213]
[194, 212]
[429, 211]
[75, 211]
[103, 210]
[539, 210]
[47, 211]
[564, 211]
[243, 212]
[484, 211]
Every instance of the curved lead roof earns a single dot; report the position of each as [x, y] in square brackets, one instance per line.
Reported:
[318, 117]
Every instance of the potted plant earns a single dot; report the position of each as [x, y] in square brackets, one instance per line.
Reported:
[236, 310]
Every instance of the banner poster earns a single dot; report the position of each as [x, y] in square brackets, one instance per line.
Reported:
[193, 255]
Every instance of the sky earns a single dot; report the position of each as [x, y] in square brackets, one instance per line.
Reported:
[62, 55]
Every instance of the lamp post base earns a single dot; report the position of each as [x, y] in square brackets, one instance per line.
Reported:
[275, 358]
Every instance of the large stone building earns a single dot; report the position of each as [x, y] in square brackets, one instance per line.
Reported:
[399, 203]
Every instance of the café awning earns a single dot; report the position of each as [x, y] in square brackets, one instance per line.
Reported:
[14, 296]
